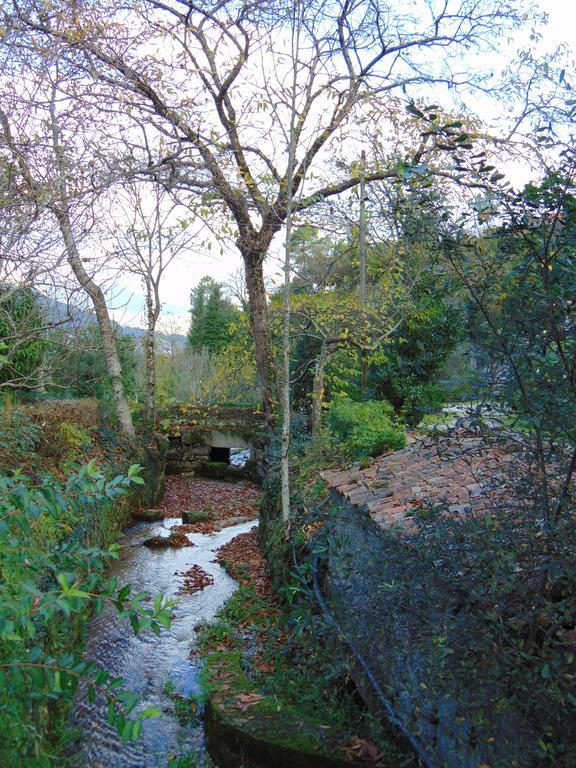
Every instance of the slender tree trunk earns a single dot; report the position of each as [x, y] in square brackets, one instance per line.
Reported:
[150, 361]
[253, 263]
[286, 308]
[113, 366]
[318, 390]
[362, 254]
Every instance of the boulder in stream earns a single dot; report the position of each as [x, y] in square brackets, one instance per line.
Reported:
[175, 540]
[191, 516]
[148, 515]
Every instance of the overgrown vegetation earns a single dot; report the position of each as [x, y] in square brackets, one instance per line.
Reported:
[366, 429]
[414, 272]
[57, 526]
[273, 664]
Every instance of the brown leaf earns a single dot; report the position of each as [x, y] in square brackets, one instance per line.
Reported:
[245, 700]
[363, 749]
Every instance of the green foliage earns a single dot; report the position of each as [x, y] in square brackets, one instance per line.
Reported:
[366, 429]
[405, 370]
[69, 439]
[408, 324]
[212, 317]
[85, 373]
[49, 581]
[535, 306]
[21, 349]
[19, 435]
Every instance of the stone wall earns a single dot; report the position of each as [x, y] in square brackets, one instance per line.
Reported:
[190, 452]
[187, 451]
[435, 678]
[193, 432]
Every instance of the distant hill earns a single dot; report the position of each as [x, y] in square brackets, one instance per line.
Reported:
[56, 311]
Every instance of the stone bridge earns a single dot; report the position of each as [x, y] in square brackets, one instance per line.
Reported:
[204, 439]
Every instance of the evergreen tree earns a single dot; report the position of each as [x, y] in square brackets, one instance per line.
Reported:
[21, 348]
[212, 317]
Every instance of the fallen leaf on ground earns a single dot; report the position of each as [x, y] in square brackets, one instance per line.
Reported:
[245, 562]
[245, 700]
[363, 749]
[220, 500]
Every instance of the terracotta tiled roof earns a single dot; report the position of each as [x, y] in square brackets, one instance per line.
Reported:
[463, 472]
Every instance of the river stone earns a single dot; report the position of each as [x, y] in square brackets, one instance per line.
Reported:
[148, 515]
[175, 540]
[194, 516]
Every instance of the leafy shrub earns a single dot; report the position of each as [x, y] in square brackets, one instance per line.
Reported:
[407, 370]
[366, 429]
[68, 440]
[19, 436]
[21, 316]
[49, 581]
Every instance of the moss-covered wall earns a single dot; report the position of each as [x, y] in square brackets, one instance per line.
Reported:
[101, 526]
[427, 647]
[395, 614]
[193, 431]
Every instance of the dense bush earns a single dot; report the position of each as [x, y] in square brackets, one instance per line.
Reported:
[19, 435]
[407, 371]
[50, 577]
[21, 345]
[366, 429]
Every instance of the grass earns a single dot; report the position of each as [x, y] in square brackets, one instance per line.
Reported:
[302, 696]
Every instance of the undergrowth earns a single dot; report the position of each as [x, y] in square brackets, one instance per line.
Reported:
[291, 661]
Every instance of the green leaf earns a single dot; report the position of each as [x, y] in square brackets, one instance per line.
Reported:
[149, 712]
[165, 620]
[124, 592]
[62, 579]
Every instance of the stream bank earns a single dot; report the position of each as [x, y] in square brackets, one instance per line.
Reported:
[235, 679]
[158, 668]
[278, 692]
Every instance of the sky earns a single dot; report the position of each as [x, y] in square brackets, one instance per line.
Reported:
[128, 301]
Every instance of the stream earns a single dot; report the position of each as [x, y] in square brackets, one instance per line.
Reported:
[148, 662]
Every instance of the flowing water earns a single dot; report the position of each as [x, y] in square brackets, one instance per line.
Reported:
[148, 662]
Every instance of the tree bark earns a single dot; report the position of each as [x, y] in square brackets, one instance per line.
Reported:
[253, 264]
[150, 363]
[113, 366]
[318, 391]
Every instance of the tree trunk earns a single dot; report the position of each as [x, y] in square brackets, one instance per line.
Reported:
[150, 363]
[253, 264]
[113, 366]
[318, 391]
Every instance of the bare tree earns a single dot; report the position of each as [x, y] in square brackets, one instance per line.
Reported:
[212, 77]
[146, 235]
[39, 128]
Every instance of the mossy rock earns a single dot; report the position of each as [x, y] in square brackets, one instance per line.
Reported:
[148, 515]
[192, 516]
[176, 540]
[216, 470]
[265, 732]
[193, 436]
